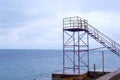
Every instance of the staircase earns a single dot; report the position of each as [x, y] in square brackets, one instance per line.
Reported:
[104, 40]
[77, 24]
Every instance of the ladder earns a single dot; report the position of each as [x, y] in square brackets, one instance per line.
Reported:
[104, 40]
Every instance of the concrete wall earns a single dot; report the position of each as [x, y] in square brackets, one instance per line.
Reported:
[68, 77]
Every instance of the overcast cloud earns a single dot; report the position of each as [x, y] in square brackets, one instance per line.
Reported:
[38, 23]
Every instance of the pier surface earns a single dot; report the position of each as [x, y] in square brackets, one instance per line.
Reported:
[111, 76]
[115, 75]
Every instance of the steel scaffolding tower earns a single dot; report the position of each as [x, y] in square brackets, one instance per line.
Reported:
[75, 45]
[76, 34]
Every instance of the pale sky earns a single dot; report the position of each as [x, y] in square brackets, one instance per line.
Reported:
[37, 24]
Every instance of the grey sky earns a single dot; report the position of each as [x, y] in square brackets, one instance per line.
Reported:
[38, 23]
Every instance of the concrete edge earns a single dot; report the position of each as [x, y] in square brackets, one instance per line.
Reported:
[111, 76]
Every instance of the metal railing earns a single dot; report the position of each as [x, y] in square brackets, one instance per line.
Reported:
[103, 39]
[74, 22]
[79, 24]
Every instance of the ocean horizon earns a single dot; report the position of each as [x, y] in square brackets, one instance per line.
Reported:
[39, 64]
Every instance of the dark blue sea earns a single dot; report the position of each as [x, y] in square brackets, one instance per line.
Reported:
[30, 64]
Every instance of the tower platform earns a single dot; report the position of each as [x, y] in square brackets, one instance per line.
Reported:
[75, 29]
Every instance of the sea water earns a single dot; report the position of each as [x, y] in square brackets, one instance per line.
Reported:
[30, 64]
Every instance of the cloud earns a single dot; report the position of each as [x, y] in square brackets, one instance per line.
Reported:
[105, 21]
[38, 24]
[102, 5]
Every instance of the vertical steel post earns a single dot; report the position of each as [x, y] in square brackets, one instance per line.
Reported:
[78, 53]
[103, 61]
[94, 68]
[88, 50]
[63, 50]
[73, 50]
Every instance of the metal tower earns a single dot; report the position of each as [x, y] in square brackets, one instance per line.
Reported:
[76, 34]
[75, 45]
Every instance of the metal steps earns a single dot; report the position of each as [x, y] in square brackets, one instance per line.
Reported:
[104, 40]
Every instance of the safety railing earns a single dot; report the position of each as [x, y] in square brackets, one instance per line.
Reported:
[103, 39]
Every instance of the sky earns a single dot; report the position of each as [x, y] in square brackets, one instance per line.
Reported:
[37, 24]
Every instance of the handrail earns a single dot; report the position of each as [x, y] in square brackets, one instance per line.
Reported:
[77, 23]
[102, 37]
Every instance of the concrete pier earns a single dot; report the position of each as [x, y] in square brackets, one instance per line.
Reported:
[68, 77]
[91, 75]
[111, 76]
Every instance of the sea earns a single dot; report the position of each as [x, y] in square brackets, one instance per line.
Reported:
[39, 64]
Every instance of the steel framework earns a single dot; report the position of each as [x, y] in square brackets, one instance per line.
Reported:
[75, 45]
[76, 34]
